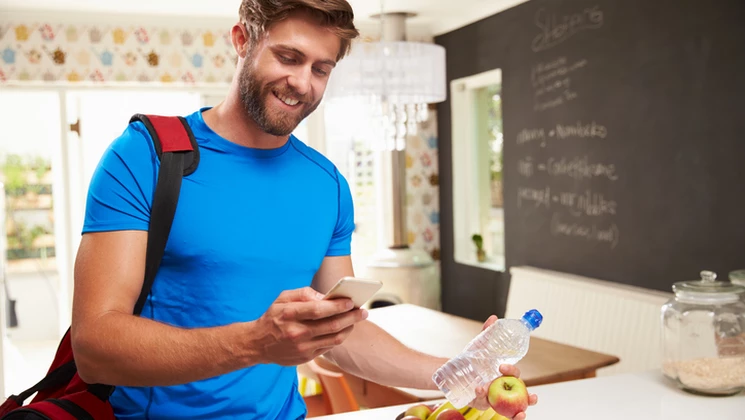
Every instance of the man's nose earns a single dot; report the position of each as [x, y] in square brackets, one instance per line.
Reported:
[300, 80]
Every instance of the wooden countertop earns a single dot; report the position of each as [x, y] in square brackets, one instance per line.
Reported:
[639, 396]
[445, 335]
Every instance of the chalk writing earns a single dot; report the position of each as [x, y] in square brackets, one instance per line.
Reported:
[552, 80]
[542, 74]
[580, 130]
[580, 168]
[556, 29]
[577, 168]
[555, 102]
[528, 135]
[609, 234]
[589, 203]
[525, 167]
[593, 204]
[539, 197]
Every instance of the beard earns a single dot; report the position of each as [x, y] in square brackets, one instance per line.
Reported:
[255, 96]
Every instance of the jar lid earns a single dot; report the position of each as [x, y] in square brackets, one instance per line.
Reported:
[708, 287]
[737, 276]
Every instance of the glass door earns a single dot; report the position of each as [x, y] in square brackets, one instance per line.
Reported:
[29, 158]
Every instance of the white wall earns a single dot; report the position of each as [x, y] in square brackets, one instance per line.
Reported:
[37, 306]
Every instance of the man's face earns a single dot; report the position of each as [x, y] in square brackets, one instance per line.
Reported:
[284, 77]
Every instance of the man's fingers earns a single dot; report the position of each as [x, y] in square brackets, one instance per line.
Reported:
[337, 323]
[305, 294]
[311, 311]
[533, 399]
[509, 370]
[489, 321]
[330, 341]
[481, 391]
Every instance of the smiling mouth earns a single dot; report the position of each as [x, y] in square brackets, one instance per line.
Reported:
[286, 99]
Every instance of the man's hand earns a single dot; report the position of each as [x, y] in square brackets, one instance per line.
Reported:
[481, 402]
[300, 326]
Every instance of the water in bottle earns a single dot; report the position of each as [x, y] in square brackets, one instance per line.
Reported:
[504, 342]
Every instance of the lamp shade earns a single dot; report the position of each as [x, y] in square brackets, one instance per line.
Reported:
[396, 72]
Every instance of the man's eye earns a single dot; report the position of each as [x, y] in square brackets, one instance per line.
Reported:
[320, 72]
[285, 59]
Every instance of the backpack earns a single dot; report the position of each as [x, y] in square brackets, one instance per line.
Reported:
[62, 395]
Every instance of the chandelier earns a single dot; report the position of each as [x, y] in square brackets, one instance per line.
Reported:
[395, 77]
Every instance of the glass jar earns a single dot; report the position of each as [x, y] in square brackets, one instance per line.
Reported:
[737, 277]
[703, 336]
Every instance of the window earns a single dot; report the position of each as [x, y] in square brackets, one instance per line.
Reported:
[31, 214]
[348, 137]
[476, 108]
[51, 142]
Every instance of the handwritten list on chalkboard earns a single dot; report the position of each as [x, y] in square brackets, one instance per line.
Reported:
[572, 209]
[558, 186]
[621, 139]
[623, 134]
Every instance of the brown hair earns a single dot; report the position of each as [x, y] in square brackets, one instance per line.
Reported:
[258, 15]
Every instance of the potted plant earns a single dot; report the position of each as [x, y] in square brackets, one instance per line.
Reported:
[479, 242]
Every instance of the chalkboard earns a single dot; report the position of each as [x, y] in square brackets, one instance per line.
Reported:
[624, 134]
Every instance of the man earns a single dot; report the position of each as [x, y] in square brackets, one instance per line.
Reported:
[262, 228]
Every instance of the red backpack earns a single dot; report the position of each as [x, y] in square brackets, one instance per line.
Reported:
[62, 395]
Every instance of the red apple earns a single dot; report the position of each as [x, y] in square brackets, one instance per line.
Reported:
[450, 414]
[420, 411]
[508, 396]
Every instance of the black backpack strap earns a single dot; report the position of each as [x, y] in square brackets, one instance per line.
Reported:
[179, 156]
[54, 379]
[178, 152]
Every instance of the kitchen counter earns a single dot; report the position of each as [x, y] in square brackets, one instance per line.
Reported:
[638, 396]
[444, 335]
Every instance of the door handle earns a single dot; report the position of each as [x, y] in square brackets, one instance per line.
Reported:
[76, 127]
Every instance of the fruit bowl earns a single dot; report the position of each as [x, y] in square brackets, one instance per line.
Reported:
[507, 394]
[432, 408]
[467, 412]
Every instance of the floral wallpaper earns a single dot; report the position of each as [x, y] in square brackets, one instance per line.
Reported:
[107, 53]
[67, 52]
[423, 188]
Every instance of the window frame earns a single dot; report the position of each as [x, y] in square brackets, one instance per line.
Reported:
[471, 191]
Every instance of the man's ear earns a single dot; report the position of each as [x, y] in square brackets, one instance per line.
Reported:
[240, 39]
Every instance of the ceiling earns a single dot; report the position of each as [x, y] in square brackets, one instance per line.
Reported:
[437, 16]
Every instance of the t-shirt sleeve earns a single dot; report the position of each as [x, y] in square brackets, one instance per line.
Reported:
[121, 188]
[341, 241]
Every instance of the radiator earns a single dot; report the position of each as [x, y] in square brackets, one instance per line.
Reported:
[596, 315]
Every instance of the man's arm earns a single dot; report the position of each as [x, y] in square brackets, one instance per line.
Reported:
[373, 354]
[370, 352]
[114, 347]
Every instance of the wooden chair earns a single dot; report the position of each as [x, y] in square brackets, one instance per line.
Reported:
[315, 401]
[336, 396]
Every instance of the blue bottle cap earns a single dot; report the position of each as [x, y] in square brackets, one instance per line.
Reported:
[533, 318]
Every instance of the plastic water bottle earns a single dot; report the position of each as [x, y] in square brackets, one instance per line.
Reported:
[504, 342]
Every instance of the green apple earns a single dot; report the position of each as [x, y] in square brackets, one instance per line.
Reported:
[508, 396]
[420, 411]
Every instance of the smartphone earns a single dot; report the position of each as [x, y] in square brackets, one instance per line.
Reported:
[357, 289]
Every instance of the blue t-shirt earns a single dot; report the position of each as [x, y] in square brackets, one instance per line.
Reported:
[250, 224]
